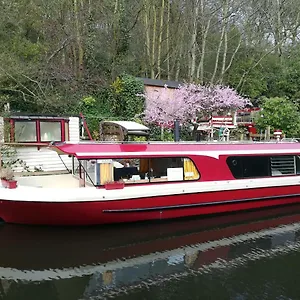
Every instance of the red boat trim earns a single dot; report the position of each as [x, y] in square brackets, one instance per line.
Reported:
[197, 204]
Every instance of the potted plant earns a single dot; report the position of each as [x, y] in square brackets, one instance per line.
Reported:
[8, 178]
[115, 185]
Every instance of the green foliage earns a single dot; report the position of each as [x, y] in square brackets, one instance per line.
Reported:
[159, 134]
[95, 108]
[285, 81]
[186, 133]
[270, 78]
[10, 158]
[25, 49]
[254, 84]
[125, 100]
[88, 101]
[42, 42]
[279, 113]
[120, 101]
[167, 134]
[238, 133]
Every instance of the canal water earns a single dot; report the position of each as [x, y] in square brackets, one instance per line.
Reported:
[253, 255]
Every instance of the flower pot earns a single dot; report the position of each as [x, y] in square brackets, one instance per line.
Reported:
[9, 184]
[114, 185]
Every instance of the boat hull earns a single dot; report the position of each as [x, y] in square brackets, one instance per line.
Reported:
[147, 208]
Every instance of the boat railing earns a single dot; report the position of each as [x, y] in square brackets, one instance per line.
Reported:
[189, 142]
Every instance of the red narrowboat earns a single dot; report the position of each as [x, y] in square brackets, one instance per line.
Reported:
[129, 182]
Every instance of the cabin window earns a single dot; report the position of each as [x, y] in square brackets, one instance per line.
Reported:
[140, 170]
[38, 130]
[171, 169]
[263, 166]
[249, 166]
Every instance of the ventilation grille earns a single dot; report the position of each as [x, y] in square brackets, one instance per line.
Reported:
[283, 165]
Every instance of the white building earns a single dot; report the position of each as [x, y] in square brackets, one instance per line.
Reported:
[26, 138]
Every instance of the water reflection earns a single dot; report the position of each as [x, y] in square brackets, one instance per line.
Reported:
[102, 262]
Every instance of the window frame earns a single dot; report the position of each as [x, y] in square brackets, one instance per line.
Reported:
[150, 180]
[60, 127]
[145, 181]
[23, 141]
[64, 130]
[241, 169]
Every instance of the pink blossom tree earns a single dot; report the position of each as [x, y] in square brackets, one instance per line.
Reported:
[165, 105]
[189, 102]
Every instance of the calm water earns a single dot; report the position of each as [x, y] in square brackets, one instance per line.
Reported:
[254, 255]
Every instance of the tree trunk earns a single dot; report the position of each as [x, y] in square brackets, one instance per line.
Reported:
[278, 29]
[224, 25]
[232, 58]
[153, 43]
[168, 41]
[200, 69]
[224, 56]
[193, 43]
[78, 40]
[178, 61]
[159, 44]
[147, 29]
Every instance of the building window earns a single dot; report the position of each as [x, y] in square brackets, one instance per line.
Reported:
[25, 131]
[39, 130]
[50, 131]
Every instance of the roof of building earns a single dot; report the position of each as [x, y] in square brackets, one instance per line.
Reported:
[161, 83]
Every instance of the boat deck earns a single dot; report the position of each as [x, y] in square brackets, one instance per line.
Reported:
[49, 181]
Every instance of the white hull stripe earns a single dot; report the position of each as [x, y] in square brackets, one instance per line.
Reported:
[34, 194]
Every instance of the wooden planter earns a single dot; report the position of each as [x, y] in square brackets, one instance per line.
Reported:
[9, 184]
[114, 185]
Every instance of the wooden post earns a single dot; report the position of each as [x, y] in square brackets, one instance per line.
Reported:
[2, 137]
[268, 133]
[176, 131]
[265, 137]
[1, 145]
[81, 176]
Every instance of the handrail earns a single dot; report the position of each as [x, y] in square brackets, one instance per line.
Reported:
[182, 142]
[29, 144]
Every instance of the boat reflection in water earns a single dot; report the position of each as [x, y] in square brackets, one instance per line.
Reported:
[97, 263]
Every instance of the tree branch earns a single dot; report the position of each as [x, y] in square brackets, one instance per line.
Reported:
[62, 46]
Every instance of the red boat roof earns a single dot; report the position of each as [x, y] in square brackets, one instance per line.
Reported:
[89, 150]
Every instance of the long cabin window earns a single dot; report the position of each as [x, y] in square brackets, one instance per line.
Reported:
[263, 166]
[38, 131]
[140, 170]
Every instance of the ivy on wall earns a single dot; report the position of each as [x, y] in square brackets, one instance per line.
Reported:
[125, 100]
[120, 101]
